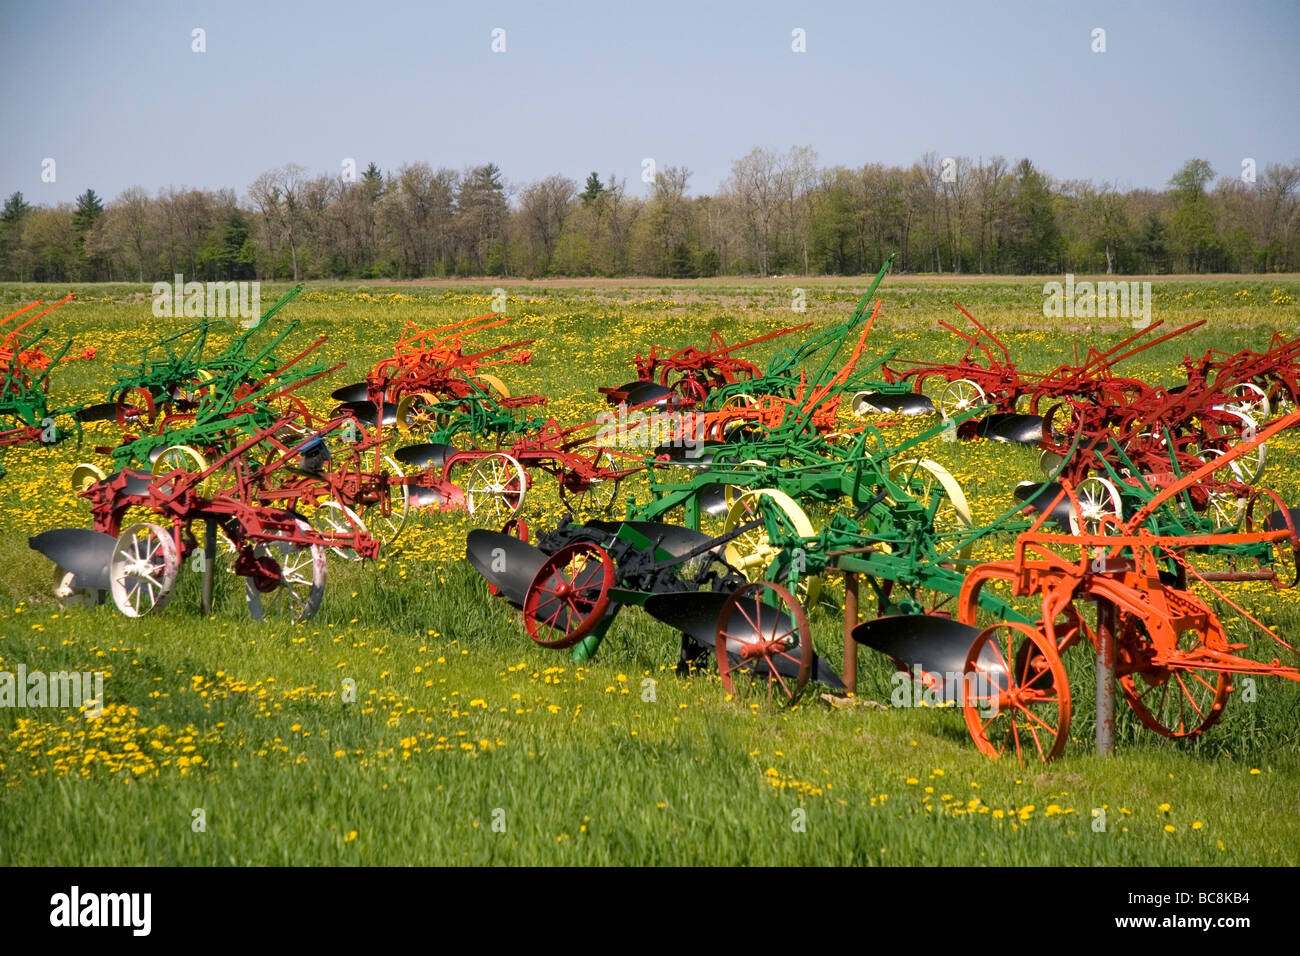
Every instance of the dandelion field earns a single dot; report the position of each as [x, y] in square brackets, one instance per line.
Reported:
[466, 744]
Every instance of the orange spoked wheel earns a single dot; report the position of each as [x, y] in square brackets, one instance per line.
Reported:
[1015, 694]
[764, 644]
[569, 595]
[1179, 701]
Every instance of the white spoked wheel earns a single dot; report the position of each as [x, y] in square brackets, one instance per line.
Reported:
[1226, 510]
[143, 569]
[1099, 500]
[387, 526]
[68, 594]
[298, 593]
[495, 489]
[753, 552]
[1249, 399]
[599, 495]
[1248, 467]
[960, 395]
[333, 517]
[925, 478]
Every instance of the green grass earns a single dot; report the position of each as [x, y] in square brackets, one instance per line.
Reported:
[457, 716]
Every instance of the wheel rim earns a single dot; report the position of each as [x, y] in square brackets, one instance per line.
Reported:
[960, 396]
[1015, 694]
[187, 459]
[143, 569]
[1284, 555]
[301, 586]
[763, 630]
[569, 595]
[1099, 504]
[752, 553]
[1180, 703]
[389, 520]
[599, 494]
[333, 517]
[952, 516]
[495, 489]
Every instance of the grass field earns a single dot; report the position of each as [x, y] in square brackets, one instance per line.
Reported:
[466, 744]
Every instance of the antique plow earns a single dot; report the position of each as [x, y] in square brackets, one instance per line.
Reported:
[572, 583]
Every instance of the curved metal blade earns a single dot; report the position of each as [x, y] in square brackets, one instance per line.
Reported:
[356, 392]
[691, 456]
[646, 394]
[1012, 428]
[99, 412]
[696, 614]
[424, 455]
[937, 645]
[908, 403]
[713, 499]
[84, 552]
[365, 412]
[505, 561]
[1277, 522]
[137, 482]
[1025, 492]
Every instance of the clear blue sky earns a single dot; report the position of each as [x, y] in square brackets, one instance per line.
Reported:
[113, 92]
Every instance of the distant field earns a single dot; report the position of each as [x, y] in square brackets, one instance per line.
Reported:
[461, 723]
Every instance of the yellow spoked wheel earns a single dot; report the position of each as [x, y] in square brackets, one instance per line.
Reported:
[84, 475]
[187, 459]
[415, 413]
[494, 386]
[752, 553]
[925, 479]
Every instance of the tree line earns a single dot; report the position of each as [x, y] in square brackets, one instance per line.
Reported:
[777, 213]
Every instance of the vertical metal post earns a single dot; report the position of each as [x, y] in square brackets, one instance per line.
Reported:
[209, 562]
[1105, 678]
[850, 622]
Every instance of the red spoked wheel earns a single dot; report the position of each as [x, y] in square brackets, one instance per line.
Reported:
[764, 642]
[1266, 511]
[1015, 694]
[569, 595]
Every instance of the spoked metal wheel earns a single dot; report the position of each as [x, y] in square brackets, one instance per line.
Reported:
[752, 553]
[1249, 466]
[597, 495]
[334, 517]
[386, 518]
[84, 475]
[143, 569]
[926, 479]
[764, 644]
[1176, 702]
[1015, 695]
[1266, 511]
[1099, 504]
[1249, 399]
[569, 595]
[495, 488]
[960, 395]
[187, 459]
[417, 412]
[294, 585]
